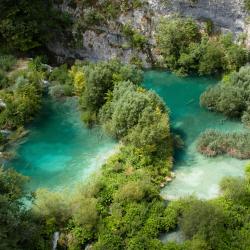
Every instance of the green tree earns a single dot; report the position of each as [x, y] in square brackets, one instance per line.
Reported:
[25, 25]
[174, 36]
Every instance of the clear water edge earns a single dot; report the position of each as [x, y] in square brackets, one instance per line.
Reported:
[60, 151]
[195, 174]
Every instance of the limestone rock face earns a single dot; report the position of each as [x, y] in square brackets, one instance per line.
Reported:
[107, 41]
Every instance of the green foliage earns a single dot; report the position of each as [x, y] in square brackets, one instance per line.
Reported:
[122, 114]
[61, 83]
[25, 25]
[52, 207]
[247, 5]
[121, 208]
[206, 221]
[212, 60]
[79, 80]
[221, 223]
[7, 62]
[99, 81]
[213, 143]
[136, 39]
[174, 36]
[209, 26]
[18, 229]
[4, 82]
[189, 51]
[231, 96]
[22, 100]
[99, 12]
[36, 64]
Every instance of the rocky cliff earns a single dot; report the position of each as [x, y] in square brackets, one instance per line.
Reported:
[107, 40]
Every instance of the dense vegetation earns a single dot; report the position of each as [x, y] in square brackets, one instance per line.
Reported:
[133, 219]
[191, 51]
[20, 93]
[212, 143]
[231, 96]
[221, 223]
[120, 208]
[17, 228]
[247, 5]
[25, 25]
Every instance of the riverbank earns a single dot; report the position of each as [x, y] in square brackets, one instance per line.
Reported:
[59, 150]
[195, 173]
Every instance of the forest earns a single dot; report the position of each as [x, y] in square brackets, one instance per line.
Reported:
[120, 206]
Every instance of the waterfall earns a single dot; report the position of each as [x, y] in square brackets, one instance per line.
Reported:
[54, 240]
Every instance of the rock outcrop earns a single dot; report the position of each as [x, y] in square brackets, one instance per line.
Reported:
[107, 41]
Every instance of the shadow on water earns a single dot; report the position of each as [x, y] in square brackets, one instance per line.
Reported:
[179, 153]
[195, 174]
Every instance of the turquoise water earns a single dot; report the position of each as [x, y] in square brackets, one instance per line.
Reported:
[195, 173]
[60, 150]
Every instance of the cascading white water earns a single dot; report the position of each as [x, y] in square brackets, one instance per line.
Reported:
[55, 240]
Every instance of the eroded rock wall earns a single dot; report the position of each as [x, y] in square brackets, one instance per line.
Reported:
[107, 41]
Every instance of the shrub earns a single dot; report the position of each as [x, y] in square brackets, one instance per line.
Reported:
[189, 51]
[79, 80]
[213, 143]
[4, 83]
[56, 91]
[171, 43]
[136, 39]
[23, 100]
[207, 221]
[27, 25]
[60, 75]
[247, 5]
[7, 62]
[231, 96]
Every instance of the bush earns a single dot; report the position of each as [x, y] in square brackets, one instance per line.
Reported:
[100, 79]
[4, 83]
[213, 143]
[27, 25]
[230, 97]
[17, 225]
[136, 39]
[121, 115]
[205, 220]
[56, 91]
[247, 5]
[79, 80]
[189, 51]
[171, 43]
[7, 62]
[60, 76]
[23, 101]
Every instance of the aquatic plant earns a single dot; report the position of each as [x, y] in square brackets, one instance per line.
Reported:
[212, 143]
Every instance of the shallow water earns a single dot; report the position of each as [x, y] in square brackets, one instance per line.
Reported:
[60, 150]
[196, 174]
